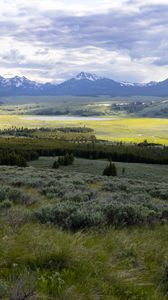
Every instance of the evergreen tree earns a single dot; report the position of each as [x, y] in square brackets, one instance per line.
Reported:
[71, 158]
[66, 159]
[55, 164]
[110, 170]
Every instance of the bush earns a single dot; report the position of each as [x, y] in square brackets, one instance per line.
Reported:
[24, 199]
[70, 216]
[23, 288]
[16, 218]
[5, 204]
[83, 219]
[126, 215]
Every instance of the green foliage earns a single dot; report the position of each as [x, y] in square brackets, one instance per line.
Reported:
[65, 160]
[56, 164]
[73, 203]
[49, 263]
[110, 170]
[12, 158]
[15, 157]
[5, 204]
[31, 147]
[15, 196]
[51, 283]
[83, 129]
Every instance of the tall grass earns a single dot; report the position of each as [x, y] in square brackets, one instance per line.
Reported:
[122, 264]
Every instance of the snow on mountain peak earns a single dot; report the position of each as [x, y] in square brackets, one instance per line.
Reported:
[151, 83]
[87, 76]
[18, 81]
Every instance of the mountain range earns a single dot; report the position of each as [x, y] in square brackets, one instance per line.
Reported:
[84, 84]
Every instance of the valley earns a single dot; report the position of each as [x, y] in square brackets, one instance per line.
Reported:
[83, 150]
[70, 228]
[68, 231]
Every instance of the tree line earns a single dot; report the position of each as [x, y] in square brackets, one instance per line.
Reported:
[114, 152]
[17, 158]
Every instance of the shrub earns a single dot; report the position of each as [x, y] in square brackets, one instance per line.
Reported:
[81, 219]
[23, 288]
[16, 218]
[3, 289]
[5, 204]
[161, 193]
[70, 216]
[25, 199]
[125, 215]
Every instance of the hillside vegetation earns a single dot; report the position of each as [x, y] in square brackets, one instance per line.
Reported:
[67, 232]
[135, 106]
[114, 246]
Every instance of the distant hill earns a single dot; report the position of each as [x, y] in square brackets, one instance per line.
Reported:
[84, 84]
[155, 110]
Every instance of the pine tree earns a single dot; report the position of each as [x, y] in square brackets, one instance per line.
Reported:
[55, 164]
[71, 158]
[110, 170]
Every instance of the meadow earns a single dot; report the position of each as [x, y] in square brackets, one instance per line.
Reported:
[117, 129]
[116, 125]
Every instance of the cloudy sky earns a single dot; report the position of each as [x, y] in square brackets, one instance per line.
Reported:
[52, 40]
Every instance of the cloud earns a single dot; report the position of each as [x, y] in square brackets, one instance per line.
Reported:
[52, 40]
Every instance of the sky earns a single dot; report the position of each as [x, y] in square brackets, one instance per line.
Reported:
[53, 40]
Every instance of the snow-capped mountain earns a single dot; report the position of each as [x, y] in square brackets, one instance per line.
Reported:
[19, 86]
[21, 82]
[125, 83]
[83, 84]
[88, 84]
[87, 76]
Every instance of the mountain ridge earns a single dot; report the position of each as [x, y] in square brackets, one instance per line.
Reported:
[83, 84]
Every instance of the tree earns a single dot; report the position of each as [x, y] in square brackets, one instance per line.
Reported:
[71, 158]
[123, 171]
[66, 160]
[110, 170]
[55, 164]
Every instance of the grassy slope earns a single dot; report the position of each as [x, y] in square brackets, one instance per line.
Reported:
[158, 173]
[157, 109]
[108, 264]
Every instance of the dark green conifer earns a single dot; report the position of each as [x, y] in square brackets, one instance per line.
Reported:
[110, 170]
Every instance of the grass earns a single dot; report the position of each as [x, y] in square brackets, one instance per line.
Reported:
[122, 264]
[156, 173]
[120, 129]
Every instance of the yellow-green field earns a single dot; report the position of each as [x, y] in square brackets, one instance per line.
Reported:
[119, 129]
